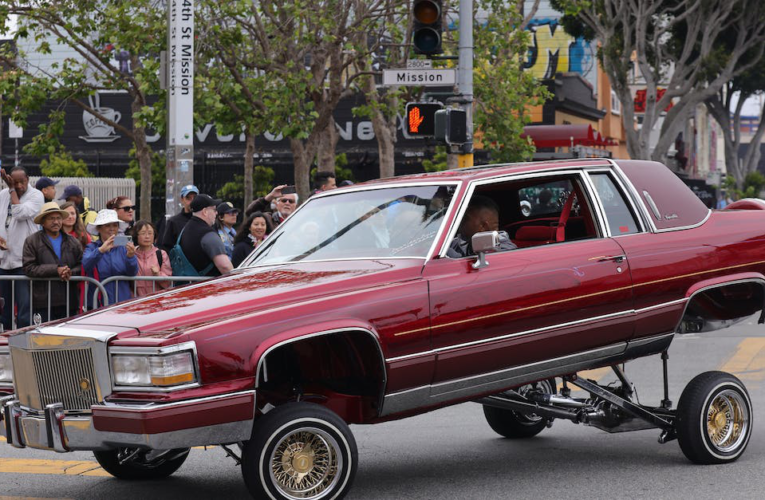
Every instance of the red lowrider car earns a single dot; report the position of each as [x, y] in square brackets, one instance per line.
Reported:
[356, 311]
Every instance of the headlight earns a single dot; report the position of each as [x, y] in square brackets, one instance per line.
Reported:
[156, 369]
[6, 368]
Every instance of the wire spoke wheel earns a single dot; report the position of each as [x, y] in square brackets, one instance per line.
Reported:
[305, 463]
[727, 421]
[714, 418]
[299, 451]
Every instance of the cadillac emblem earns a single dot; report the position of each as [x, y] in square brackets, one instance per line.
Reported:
[84, 384]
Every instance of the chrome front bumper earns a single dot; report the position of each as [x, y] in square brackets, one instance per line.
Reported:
[52, 429]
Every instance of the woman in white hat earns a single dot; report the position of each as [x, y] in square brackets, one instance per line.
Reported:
[110, 256]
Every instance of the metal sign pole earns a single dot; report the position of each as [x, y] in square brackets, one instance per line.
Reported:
[465, 75]
[180, 101]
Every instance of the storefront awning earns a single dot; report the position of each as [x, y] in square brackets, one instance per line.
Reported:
[564, 136]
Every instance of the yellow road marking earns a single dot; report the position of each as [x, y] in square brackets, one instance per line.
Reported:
[65, 467]
[31, 498]
[748, 363]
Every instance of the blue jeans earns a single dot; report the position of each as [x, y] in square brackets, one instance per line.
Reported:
[21, 291]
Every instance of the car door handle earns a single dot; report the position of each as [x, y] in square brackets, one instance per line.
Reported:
[606, 258]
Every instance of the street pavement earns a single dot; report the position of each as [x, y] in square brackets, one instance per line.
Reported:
[453, 454]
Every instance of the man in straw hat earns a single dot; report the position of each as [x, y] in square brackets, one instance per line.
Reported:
[51, 253]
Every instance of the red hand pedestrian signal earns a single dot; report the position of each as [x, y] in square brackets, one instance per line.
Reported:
[419, 120]
[415, 119]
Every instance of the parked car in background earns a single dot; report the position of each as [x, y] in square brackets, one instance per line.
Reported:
[352, 312]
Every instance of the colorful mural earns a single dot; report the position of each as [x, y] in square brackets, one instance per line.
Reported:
[555, 51]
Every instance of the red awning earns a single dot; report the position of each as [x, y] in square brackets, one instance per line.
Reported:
[564, 136]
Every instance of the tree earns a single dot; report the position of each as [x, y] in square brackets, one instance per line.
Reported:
[304, 51]
[112, 46]
[61, 164]
[728, 115]
[503, 91]
[692, 67]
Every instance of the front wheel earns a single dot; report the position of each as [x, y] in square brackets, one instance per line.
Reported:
[714, 418]
[514, 425]
[133, 464]
[299, 451]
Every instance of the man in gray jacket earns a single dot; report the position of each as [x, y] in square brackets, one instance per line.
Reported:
[19, 205]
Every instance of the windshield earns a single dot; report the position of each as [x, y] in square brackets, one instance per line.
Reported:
[380, 223]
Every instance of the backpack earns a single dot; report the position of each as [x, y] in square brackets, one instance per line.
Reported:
[181, 265]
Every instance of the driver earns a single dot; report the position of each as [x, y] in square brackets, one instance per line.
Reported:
[481, 215]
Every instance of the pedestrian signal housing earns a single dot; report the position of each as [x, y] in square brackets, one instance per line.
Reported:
[450, 126]
[426, 32]
[420, 119]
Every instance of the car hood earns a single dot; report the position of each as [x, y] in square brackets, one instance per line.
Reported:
[246, 291]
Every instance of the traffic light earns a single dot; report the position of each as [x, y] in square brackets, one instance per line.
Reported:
[420, 119]
[450, 126]
[426, 33]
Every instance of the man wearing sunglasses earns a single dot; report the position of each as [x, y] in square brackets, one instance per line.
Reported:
[284, 200]
[175, 224]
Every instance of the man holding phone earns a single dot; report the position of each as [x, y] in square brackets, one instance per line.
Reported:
[285, 200]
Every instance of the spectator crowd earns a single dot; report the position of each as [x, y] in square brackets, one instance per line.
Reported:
[54, 240]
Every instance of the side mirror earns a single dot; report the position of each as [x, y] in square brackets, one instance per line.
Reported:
[487, 241]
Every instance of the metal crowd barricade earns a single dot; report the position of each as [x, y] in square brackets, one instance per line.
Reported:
[174, 280]
[98, 289]
[73, 281]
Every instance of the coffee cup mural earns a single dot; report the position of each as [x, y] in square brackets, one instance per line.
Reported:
[98, 130]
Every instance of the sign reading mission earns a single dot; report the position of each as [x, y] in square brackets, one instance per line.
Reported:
[419, 77]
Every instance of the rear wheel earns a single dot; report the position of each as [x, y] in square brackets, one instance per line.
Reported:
[714, 418]
[299, 451]
[131, 463]
[514, 425]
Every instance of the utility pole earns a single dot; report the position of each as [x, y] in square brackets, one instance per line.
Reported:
[465, 79]
[180, 98]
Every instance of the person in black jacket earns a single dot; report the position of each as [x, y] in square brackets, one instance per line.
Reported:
[200, 243]
[51, 253]
[177, 222]
[250, 235]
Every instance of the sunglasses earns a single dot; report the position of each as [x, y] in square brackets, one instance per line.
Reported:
[286, 200]
[129, 208]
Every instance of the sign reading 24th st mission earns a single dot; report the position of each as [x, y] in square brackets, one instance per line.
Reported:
[419, 77]
[181, 72]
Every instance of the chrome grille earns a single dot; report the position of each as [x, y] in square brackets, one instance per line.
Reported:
[66, 376]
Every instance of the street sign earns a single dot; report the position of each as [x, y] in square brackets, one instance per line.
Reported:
[419, 64]
[419, 121]
[419, 77]
[14, 131]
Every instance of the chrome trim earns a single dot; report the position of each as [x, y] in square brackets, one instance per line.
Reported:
[55, 431]
[600, 216]
[65, 330]
[6, 385]
[712, 287]
[158, 405]
[649, 340]
[263, 356]
[652, 204]
[511, 335]
[442, 392]
[155, 351]
[372, 187]
[660, 306]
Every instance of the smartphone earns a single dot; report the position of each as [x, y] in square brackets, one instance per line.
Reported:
[289, 190]
[121, 240]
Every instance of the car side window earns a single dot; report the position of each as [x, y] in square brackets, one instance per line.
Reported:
[620, 218]
[536, 211]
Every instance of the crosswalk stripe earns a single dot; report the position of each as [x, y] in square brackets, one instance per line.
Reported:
[748, 362]
[65, 467]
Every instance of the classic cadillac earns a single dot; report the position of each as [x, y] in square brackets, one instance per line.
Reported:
[358, 310]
